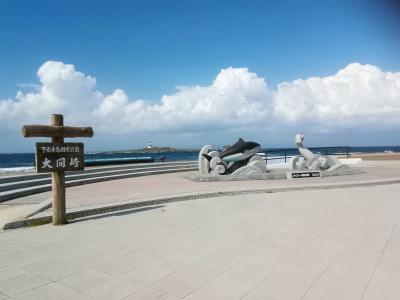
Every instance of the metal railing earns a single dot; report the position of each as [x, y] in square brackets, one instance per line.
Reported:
[286, 153]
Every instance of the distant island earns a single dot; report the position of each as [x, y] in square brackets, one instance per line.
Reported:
[153, 150]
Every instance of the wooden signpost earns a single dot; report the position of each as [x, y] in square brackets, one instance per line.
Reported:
[57, 157]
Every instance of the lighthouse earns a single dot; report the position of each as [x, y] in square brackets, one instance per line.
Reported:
[149, 145]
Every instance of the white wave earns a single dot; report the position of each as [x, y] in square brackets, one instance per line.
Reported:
[16, 170]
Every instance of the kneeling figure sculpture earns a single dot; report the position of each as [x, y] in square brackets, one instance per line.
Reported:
[309, 161]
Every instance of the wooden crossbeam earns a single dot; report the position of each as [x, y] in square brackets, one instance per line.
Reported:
[56, 131]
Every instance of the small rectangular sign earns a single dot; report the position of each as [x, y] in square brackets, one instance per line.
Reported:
[306, 174]
[59, 157]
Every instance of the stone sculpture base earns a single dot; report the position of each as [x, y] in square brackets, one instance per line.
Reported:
[271, 175]
[216, 178]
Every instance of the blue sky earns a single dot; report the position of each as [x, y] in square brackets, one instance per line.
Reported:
[148, 48]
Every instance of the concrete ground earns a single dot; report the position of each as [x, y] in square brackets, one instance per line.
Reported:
[323, 244]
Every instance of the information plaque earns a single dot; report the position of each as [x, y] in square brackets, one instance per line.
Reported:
[303, 174]
[59, 157]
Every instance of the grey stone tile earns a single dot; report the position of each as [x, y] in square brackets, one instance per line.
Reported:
[122, 246]
[332, 294]
[3, 262]
[18, 258]
[22, 283]
[385, 283]
[41, 265]
[340, 281]
[392, 255]
[152, 272]
[238, 281]
[3, 296]
[301, 274]
[10, 248]
[274, 289]
[53, 291]
[117, 266]
[188, 279]
[80, 296]
[85, 280]
[58, 271]
[88, 258]
[150, 294]
[113, 289]
[10, 272]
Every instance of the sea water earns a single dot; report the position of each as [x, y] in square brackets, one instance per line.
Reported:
[24, 162]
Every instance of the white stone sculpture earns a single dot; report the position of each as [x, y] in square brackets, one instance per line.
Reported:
[241, 159]
[309, 161]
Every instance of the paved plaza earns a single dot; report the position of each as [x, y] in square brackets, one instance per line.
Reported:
[323, 244]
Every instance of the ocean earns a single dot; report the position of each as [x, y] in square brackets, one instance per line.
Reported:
[10, 162]
[24, 161]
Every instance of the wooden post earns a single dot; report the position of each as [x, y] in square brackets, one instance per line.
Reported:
[58, 182]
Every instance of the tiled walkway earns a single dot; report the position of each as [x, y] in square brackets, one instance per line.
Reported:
[328, 244]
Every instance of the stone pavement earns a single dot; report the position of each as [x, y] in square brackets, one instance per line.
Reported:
[323, 244]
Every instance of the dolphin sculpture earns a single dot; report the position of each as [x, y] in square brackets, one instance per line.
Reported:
[240, 159]
[240, 151]
[235, 156]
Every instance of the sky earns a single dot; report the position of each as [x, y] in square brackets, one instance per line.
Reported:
[190, 73]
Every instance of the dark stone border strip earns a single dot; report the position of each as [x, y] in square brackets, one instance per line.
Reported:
[120, 207]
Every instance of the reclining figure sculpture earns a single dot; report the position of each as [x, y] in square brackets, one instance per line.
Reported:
[240, 159]
[309, 161]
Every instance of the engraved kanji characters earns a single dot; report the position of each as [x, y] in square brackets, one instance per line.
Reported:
[60, 163]
[46, 163]
[74, 162]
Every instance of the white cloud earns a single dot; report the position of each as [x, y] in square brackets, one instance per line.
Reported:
[62, 90]
[357, 94]
[237, 97]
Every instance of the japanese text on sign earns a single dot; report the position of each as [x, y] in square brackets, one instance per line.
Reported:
[59, 157]
[305, 174]
[60, 149]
